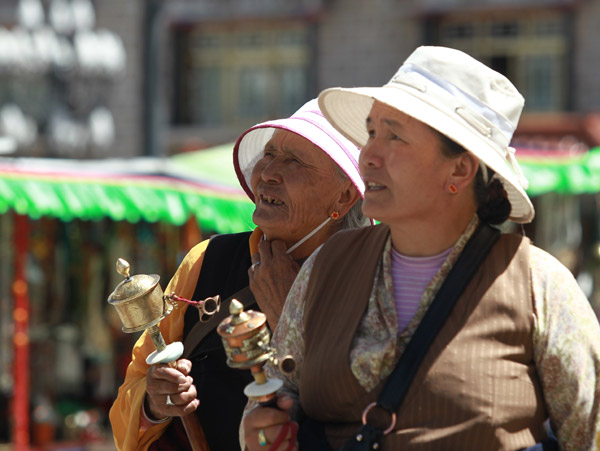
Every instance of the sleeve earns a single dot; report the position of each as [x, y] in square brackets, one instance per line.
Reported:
[567, 353]
[126, 411]
[288, 338]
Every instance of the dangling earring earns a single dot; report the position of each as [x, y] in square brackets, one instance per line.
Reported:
[334, 215]
[452, 189]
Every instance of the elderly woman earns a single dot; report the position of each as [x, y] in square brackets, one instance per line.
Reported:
[303, 177]
[432, 329]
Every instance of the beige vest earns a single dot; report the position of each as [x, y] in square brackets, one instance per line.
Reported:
[477, 387]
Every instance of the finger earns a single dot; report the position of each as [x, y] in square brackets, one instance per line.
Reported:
[158, 386]
[255, 257]
[185, 366]
[265, 417]
[181, 409]
[285, 403]
[185, 397]
[278, 247]
[169, 385]
[264, 249]
[165, 372]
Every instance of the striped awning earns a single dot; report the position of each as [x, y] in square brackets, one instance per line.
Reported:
[131, 190]
[569, 173]
[203, 185]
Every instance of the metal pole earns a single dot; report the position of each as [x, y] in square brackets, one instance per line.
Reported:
[21, 336]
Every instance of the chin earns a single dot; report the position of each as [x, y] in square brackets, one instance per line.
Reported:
[369, 211]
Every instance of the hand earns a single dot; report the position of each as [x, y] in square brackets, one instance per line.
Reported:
[272, 278]
[270, 423]
[163, 380]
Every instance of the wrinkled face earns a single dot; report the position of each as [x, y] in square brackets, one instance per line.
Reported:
[403, 168]
[295, 186]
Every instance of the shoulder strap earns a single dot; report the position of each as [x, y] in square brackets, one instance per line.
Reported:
[399, 381]
[461, 273]
[224, 272]
[202, 329]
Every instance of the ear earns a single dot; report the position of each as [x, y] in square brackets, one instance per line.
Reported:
[464, 170]
[347, 198]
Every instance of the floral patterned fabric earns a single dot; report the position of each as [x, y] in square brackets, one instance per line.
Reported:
[566, 339]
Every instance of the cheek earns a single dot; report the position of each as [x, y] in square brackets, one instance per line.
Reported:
[255, 175]
[315, 198]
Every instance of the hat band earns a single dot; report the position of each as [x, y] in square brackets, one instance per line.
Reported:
[351, 157]
[473, 103]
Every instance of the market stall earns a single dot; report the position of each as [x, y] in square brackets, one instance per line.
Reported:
[64, 222]
[61, 224]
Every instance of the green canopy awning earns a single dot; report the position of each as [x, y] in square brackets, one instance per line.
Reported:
[165, 190]
[561, 173]
[203, 184]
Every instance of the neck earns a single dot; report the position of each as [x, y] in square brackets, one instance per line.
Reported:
[300, 250]
[308, 244]
[429, 237]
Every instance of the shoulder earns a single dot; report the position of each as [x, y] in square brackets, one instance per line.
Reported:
[195, 255]
[354, 241]
[231, 237]
[360, 232]
[546, 269]
[187, 273]
[558, 299]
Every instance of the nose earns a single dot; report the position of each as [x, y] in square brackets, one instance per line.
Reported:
[270, 171]
[370, 155]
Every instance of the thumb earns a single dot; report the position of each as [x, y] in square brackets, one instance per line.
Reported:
[285, 402]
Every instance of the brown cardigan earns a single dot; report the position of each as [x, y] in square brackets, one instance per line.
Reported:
[477, 387]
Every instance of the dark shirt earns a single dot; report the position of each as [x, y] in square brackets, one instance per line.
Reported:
[220, 388]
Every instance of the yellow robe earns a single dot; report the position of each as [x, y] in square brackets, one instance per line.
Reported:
[126, 411]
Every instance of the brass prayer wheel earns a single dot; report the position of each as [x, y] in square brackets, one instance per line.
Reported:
[138, 299]
[246, 340]
[140, 304]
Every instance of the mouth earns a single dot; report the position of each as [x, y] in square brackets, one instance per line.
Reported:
[270, 200]
[374, 186]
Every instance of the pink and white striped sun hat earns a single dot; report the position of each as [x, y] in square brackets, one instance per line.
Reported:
[307, 122]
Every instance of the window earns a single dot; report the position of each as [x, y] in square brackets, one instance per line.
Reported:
[529, 48]
[237, 74]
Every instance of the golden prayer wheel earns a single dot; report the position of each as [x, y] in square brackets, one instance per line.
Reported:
[141, 305]
[138, 299]
[246, 340]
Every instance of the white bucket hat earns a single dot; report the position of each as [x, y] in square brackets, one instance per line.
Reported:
[307, 122]
[458, 96]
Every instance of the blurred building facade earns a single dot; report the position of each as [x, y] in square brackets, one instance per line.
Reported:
[226, 65]
[157, 77]
[125, 78]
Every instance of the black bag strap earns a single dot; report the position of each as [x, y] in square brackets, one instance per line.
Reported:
[202, 329]
[397, 384]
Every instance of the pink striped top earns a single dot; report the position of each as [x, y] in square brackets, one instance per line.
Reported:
[410, 276]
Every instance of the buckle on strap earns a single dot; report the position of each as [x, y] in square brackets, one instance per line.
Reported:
[366, 413]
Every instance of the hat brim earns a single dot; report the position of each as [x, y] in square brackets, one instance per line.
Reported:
[249, 148]
[348, 108]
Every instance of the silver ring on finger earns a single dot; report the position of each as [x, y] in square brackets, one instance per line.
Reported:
[254, 265]
[169, 402]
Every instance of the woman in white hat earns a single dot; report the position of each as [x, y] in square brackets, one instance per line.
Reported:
[303, 176]
[432, 330]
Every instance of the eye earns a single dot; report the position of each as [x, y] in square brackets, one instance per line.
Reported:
[394, 137]
[371, 133]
